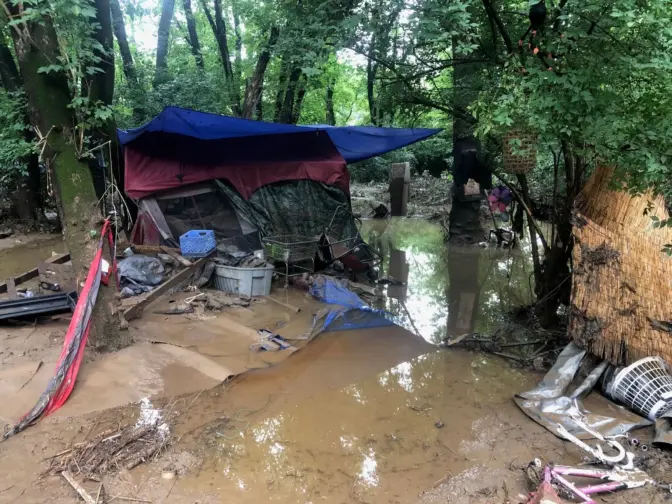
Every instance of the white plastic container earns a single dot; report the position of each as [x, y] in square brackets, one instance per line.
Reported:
[245, 281]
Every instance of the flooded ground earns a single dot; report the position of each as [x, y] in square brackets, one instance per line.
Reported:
[364, 416]
[449, 290]
[22, 253]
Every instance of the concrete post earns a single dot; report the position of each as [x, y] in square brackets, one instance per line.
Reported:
[400, 180]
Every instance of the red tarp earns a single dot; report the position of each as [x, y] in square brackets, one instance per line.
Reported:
[159, 161]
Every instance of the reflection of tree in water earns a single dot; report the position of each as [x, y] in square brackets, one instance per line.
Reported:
[486, 282]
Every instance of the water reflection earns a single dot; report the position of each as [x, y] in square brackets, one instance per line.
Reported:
[374, 438]
[449, 290]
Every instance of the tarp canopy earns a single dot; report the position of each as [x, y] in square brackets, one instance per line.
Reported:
[159, 162]
[354, 143]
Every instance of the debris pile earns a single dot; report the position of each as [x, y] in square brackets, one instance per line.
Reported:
[118, 448]
[428, 196]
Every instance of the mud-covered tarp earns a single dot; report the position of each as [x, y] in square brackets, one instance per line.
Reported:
[556, 402]
[346, 311]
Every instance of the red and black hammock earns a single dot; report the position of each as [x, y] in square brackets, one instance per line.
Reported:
[61, 384]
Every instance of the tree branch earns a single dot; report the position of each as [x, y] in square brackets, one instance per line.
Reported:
[492, 13]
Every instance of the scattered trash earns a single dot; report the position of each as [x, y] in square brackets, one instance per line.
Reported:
[617, 478]
[389, 280]
[270, 342]
[379, 212]
[179, 310]
[139, 273]
[168, 475]
[439, 424]
[551, 403]
[598, 452]
[645, 387]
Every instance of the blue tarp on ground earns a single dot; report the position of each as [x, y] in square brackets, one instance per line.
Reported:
[355, 143]
[347, 312]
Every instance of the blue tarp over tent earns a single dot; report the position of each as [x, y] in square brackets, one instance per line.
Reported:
[355, 143]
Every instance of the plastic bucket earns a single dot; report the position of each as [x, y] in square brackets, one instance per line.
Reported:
[245, 281]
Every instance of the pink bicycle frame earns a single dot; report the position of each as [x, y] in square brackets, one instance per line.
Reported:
[617, 480]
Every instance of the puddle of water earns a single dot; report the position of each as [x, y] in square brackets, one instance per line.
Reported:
[449, 290]
[379, 415]
[384, 438]
[19, 258]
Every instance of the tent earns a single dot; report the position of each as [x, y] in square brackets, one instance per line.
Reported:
[190, 169]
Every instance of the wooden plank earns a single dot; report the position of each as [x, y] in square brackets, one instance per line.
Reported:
[29, 275]
[290, 307]
[136, 311]
[176, 256]
[153, 249]
[78, 488]
[11, 289]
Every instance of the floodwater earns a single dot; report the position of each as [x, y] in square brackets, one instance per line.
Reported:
[377, 415]
[366, 416]
[449, 290]
[19, 254]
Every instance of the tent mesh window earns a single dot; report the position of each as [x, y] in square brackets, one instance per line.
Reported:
[519, 158]
[209, 210]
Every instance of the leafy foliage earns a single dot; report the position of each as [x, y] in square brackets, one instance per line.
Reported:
[14, 147]
[600, 83]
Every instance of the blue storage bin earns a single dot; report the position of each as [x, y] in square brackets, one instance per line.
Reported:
[197, 243]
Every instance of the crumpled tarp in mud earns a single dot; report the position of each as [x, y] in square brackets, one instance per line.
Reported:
[347, 312]
[551, 403]
[139, 273]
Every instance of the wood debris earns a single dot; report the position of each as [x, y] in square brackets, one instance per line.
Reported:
[112, 450]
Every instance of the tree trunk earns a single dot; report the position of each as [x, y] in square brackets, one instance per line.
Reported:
[298, 105]
[282, 87]
[49, 111]
[219, 29]
[238, 61]
[122, 39]
[254, 89]
[259, 112]
[554, 288]
[371, 69]
[464, 93]
[100, 85]
[160, 74]
[330, 116]
[128, 65]
[193, 34]
[220, 34]
[9, 74]
[288, 105]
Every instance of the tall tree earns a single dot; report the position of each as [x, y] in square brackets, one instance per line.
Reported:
[254, 88]
[294, 90]
[138, 97]
[122, 39]
[26, 196]
[218, 26]
[330, 117]
[166, 19]
[53, 113]
[193, 34]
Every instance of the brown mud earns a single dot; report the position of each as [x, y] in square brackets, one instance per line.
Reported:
[378, 415]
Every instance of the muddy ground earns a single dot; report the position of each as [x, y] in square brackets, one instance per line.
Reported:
[381, 415]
